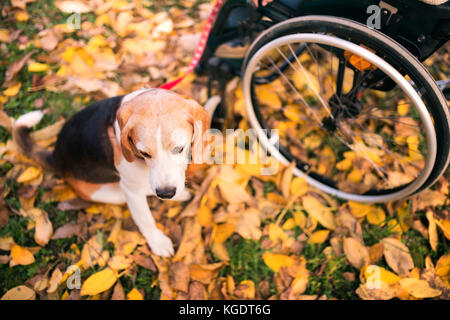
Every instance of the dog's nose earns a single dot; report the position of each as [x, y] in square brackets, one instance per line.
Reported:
[166, 193]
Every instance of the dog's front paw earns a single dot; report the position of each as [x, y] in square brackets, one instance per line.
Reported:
[160, 244]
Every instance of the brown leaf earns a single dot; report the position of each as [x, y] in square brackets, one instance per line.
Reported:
[67, 231]
[118, 293]
[143, 261]
[197, 291]
[73, 204]
[16, 66]
[191, 237]
[4, 214]
[397, 256]
[248, 225]
[356, 253]
[4, 259]
[5, 120]
[376, 252]
[179, 276]
[205, 273]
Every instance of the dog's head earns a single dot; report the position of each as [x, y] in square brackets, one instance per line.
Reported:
[164, 130]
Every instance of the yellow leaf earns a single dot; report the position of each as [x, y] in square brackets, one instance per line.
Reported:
[319, 236]
[319, 212]
[443, 266]
[275, 260]
[419, 288]
[21, 256]
[286, 180]
[12, 90]
[276, 232]
[98, 282]
[29, 174]
[38, 67]
[268, 97]
[19, 293]
[375, 273]
[119, 262]
[359, 210]
[222, 232]
[344, 165]
[94, 209]
[204, 216]
[445, 227]
[300, 219]
[289, 224]
[293, 113]
[355, 175]
[432, 230]
[205, 273]
[21, 16]
[220, 251]
[298, 186]
[402, 108]
[376, 215]
[4, 35]
[134, 294]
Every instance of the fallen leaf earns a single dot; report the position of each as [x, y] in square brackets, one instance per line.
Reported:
[205, 273]
[248, 225]
[397, 256]
[356, 253]
[98, 282]
[19, 293]
[44, 229]
[29, 174]
[71, 6]
[179, 276]
[118, 293]
[319, 212]
[68, 230]
[419, 288]
[134, 294]
[20, 256]
[12, 90]
[54, 280]
[38, 67]
[245, 290]
[16, 66]
[319, 236]
[432, 230]
[275, 260]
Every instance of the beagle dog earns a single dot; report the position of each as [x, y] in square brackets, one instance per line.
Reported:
[123, 149]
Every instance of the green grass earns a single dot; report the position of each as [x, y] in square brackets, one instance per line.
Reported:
[326, 275]
[246, 262]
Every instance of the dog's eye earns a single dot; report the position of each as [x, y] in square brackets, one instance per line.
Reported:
[146, 155]
[178, 149]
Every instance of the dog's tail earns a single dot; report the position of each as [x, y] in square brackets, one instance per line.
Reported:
[21, 137]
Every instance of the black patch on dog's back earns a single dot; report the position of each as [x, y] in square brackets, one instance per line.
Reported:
[83, 149]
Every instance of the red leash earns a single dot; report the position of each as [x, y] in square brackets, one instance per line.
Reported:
[200, 47]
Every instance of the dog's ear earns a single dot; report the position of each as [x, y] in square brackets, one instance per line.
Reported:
[126, 125]
[200, 122]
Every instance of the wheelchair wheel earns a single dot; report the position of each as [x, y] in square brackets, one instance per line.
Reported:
[361, 117]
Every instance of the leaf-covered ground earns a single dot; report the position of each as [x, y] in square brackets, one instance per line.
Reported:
[242, 236]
